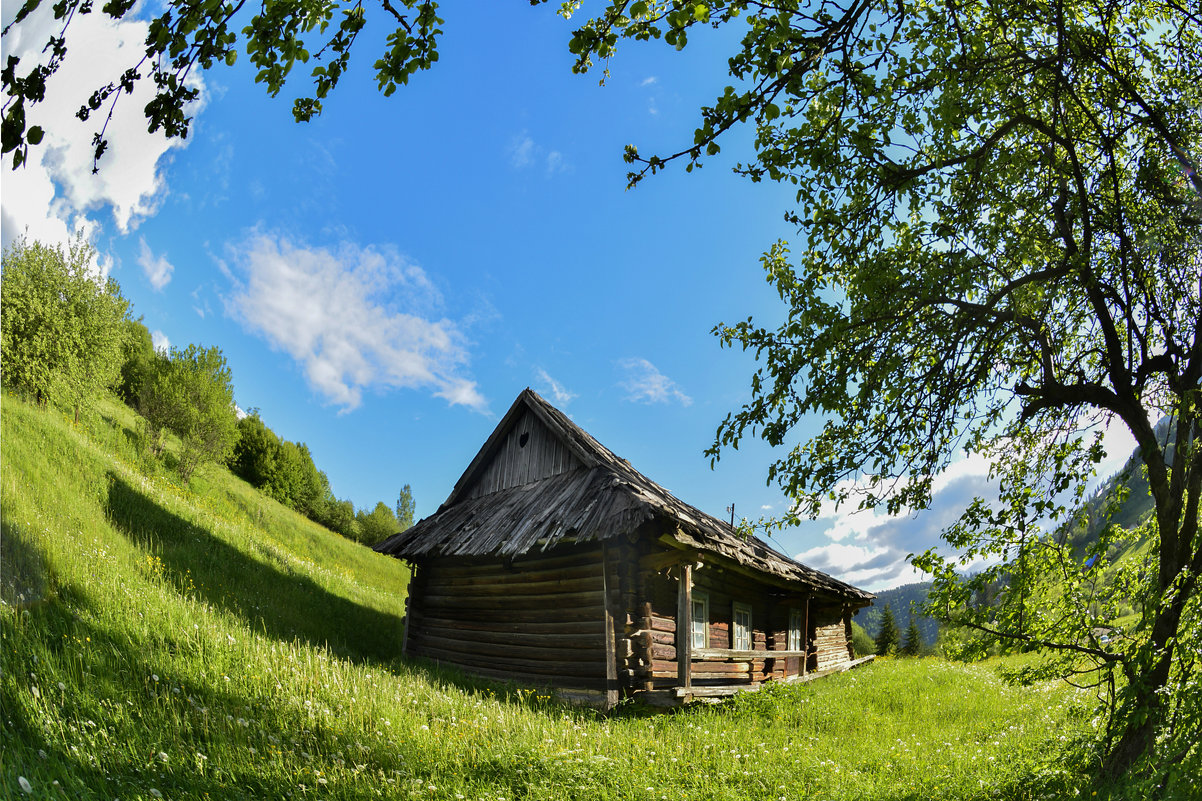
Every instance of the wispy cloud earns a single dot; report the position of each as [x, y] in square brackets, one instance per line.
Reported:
[355, 318]
[521, 151]
[525, 153]
[644, 383]
[558, 391]
[56, 193]
[158, 270]
[649, 80]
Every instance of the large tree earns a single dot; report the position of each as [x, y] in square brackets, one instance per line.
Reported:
[62, 326]
[998, 250]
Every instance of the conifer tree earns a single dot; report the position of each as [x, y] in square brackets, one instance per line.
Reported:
[913, 643]
[886, 638]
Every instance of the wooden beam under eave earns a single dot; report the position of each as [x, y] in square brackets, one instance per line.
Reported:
[684, 628]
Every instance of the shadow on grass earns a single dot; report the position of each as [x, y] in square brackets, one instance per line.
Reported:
[23, 576]
[280, 604]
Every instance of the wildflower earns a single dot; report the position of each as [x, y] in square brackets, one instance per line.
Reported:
[25, 785]
[155, 793]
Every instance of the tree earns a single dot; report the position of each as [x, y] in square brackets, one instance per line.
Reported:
[191, 35]
[404, 508]
[377, 525]
[192, 395]
[61, 325]
[913, 642]
[138, 362]
[886, 638]
[998, 215]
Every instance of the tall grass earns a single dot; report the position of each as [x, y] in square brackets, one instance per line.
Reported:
[160, 641]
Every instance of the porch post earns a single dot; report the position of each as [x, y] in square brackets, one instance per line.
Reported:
[684, 627]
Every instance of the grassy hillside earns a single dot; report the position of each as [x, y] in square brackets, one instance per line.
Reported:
[209, 644]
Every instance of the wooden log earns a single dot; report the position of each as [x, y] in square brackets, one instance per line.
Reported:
[496, 615]
[727, 653]
[523, 601]
[494, 578]
[573, 628]
[539, 668]
[510, 649]
[587, 642]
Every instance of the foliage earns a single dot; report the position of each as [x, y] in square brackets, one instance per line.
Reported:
[190, 35]
[912, 644]
[998, 213]
[887, 637]
[282, 470]
[191, 395]
[61, 325]
[404, 508]
[861, 643]
[138, 363]
[376, 525]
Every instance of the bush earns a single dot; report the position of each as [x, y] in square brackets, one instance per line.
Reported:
[61, 326]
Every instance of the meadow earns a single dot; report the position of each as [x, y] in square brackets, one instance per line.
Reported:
[204, 642]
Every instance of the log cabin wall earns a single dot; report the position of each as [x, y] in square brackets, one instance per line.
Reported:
[539, 620]
[832, 636]
[528, 453]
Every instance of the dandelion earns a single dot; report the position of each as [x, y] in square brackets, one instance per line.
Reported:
[155, 793]
[25, 785]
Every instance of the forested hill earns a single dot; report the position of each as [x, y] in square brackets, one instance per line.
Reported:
[905, 601]
[1092, 519]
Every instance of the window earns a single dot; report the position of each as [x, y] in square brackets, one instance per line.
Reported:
[795, 624]
[701, 620]
[742, 627]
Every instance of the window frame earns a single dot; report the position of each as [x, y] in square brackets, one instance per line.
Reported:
[736, 608]
[796, 636]
[702, 598]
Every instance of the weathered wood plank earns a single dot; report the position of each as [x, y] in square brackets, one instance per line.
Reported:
[593, 627]
[591, 654]
[728, 653]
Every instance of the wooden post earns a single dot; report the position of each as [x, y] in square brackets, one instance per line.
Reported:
[684, 627]
[408, 608]
[805, 638]
[611, 657]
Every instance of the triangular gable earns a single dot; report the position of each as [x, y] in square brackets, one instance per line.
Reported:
[524, 447]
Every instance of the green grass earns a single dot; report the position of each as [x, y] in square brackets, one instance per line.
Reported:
[208, 643]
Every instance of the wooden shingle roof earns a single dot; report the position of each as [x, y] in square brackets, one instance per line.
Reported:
[585, 493]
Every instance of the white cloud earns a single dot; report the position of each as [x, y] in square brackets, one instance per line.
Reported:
[521, 151]
[354, 318]
[558, 391]
[650, 79]
[158, 270]
[160, 341]
[524, 152]
[55, 193]
[646, 384]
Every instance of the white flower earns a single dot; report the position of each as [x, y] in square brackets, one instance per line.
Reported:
[155, 793]
[163, 756]
[25, 785]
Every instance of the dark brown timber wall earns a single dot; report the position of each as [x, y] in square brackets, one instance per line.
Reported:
[535, 620]
[832, 636]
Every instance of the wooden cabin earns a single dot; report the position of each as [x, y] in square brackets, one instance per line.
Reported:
[555, 563]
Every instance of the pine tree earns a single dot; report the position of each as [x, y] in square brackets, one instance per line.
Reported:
[886, 638]
[913, 644]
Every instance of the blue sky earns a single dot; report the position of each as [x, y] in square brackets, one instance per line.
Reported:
[385, 280]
